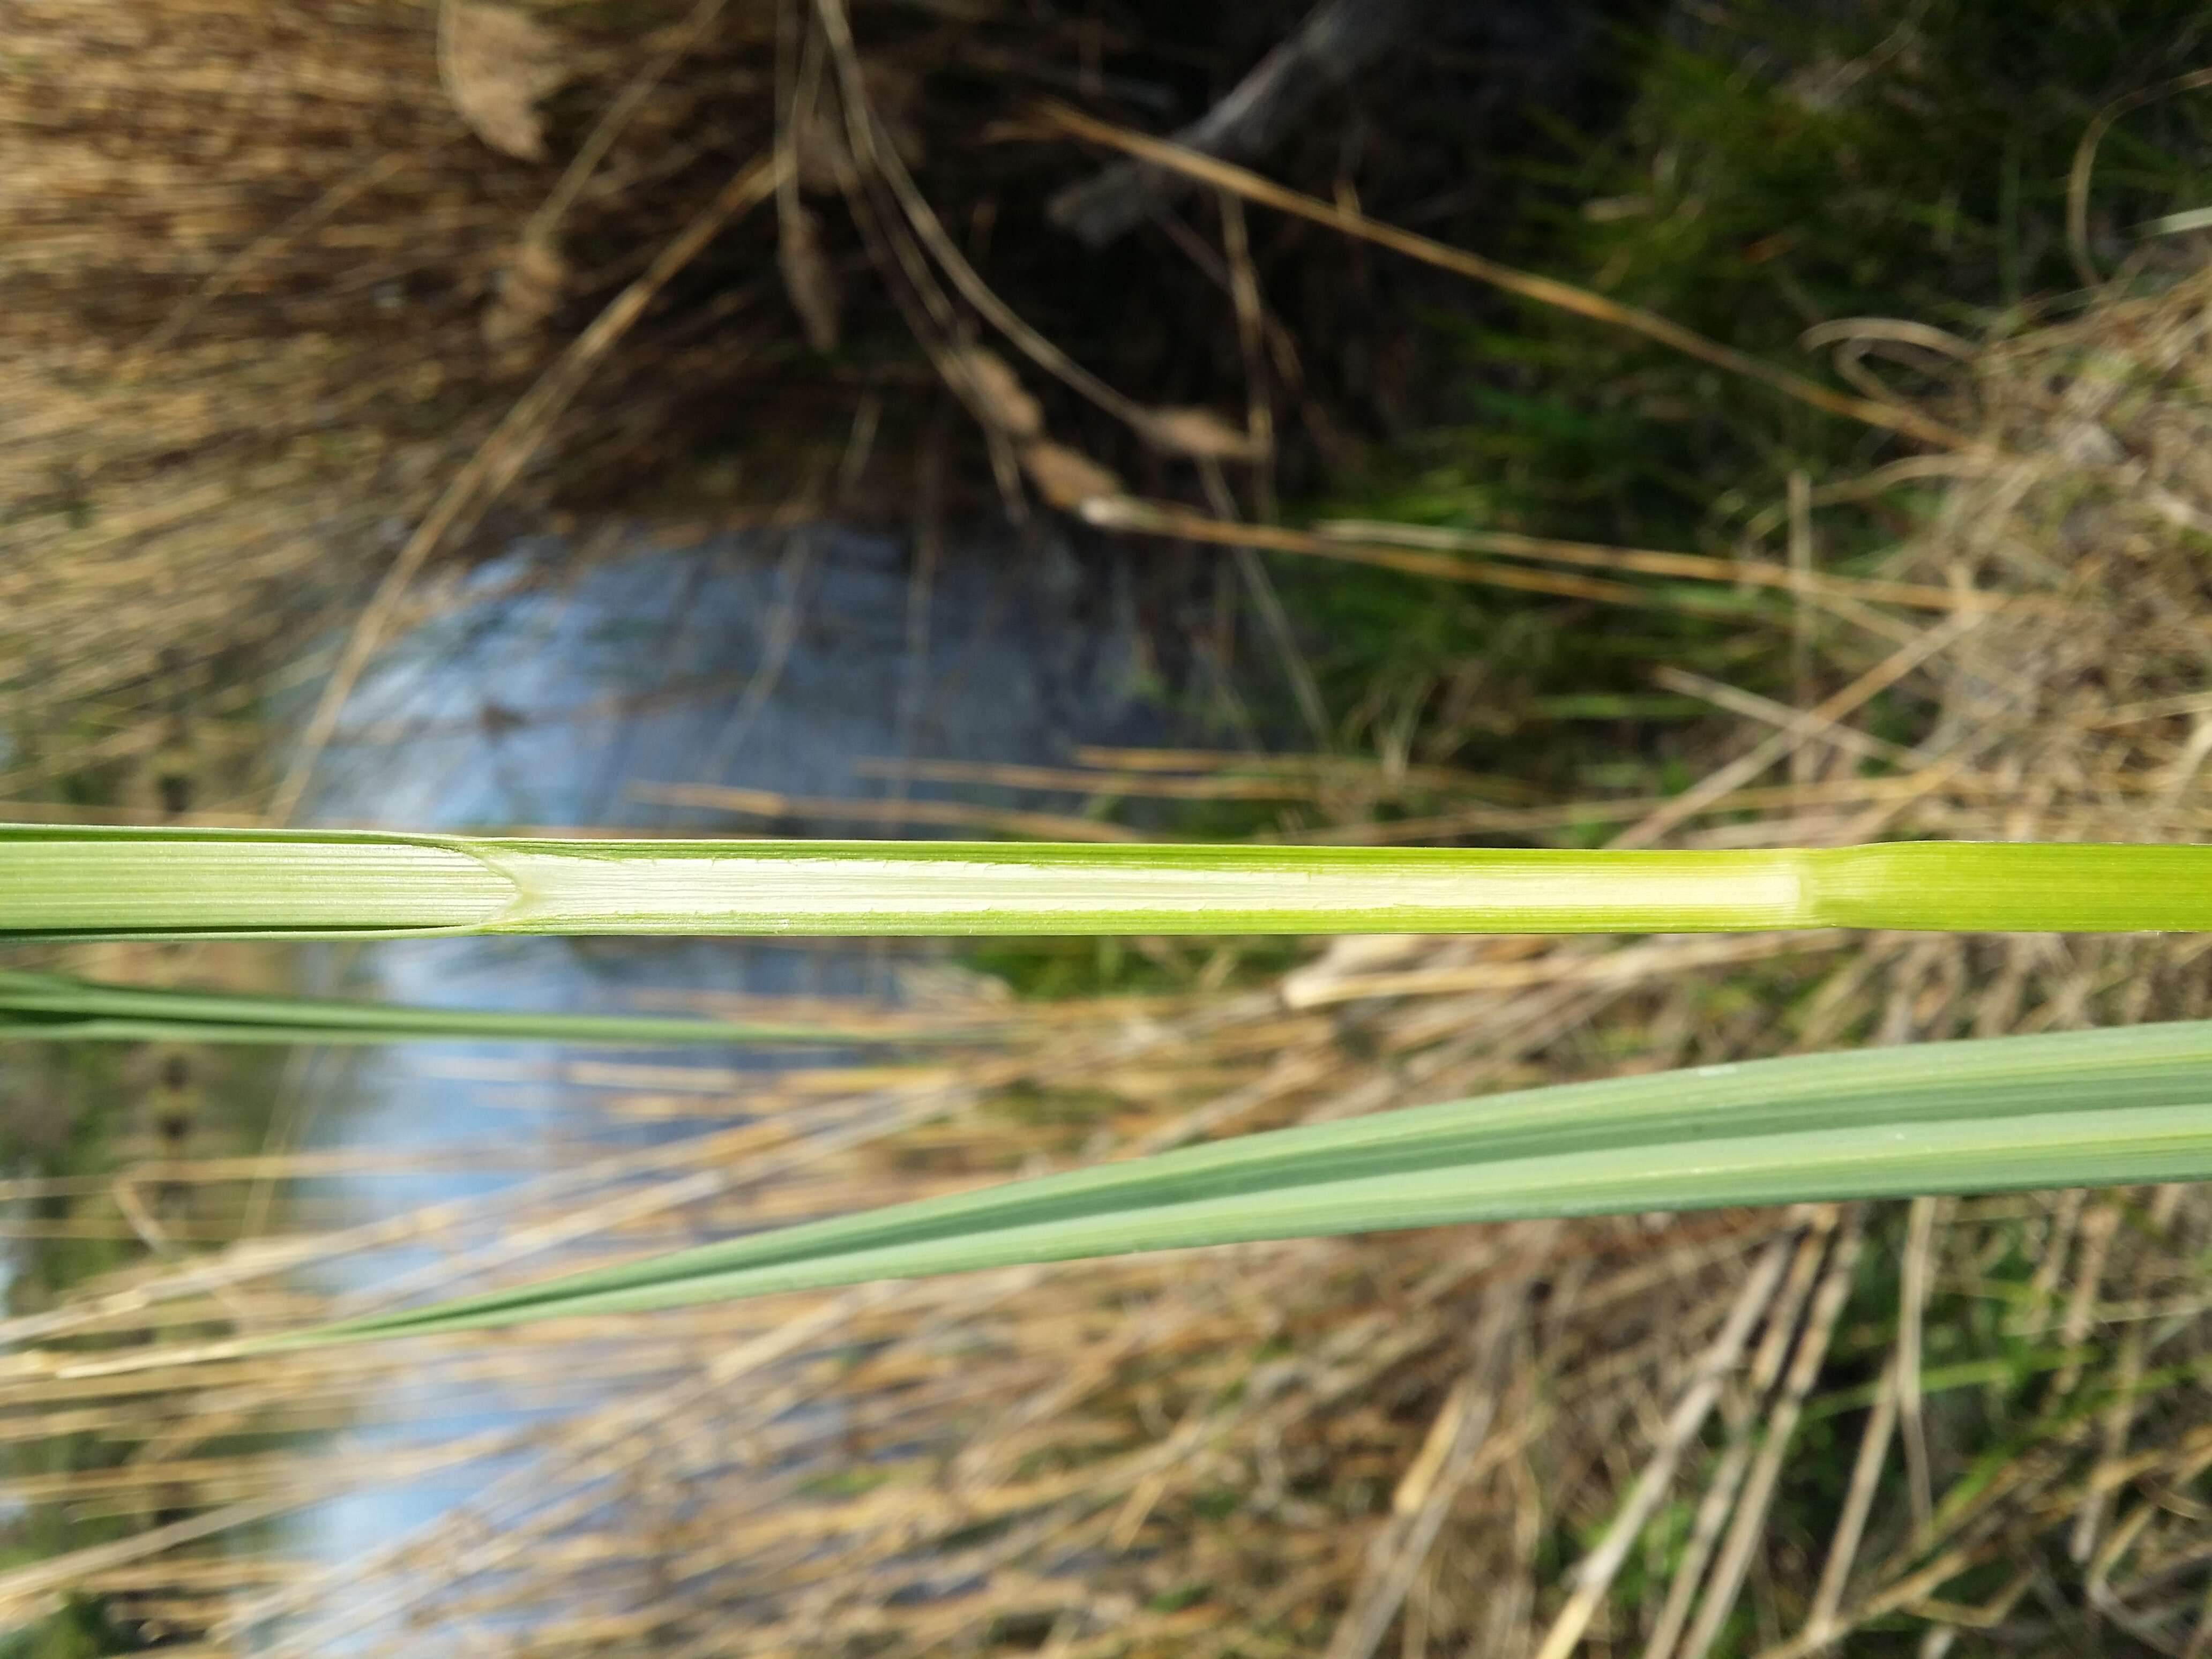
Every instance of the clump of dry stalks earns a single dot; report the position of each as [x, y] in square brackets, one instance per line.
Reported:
[290, 284]
[1971, 1421]
[300, 297]
[1673, 1435]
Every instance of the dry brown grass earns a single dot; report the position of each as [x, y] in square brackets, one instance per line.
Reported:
[277, 274]
[1402, 1443]
[202, 256]
[1333, 1447]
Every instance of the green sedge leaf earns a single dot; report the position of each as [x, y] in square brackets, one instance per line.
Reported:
[2095, 1107]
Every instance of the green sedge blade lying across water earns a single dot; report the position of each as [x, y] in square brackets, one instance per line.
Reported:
[56, 1007]
[72, 882]
[2082, 1108]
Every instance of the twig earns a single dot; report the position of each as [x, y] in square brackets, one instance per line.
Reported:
[945, 335]
[1801, 620]
[1695, 567]
[1820, 1625]
[1251, 338]
[1767, 712]
[2119, 1416]
[1913, 1277]
[1397, 1553]
[1157, 519]
[1335, 43]
[1713, 1511]
[1719, 785]
[2085, 162]
[2100, 1222]
[861, 121]
[1545, 290]
[1595, 1577]
[1367, 542]
[1722, 1493]
[959, 815]
[1272, 618]
[1767, 1472]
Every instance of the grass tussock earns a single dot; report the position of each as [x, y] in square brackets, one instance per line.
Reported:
[302, 296]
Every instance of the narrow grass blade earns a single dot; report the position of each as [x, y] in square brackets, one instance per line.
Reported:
[55, 1007]
[2092, 1108]
[63, 883]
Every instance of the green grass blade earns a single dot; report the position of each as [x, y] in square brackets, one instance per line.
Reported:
[83, 883]
[65, 884]
[55, 1007]
[2079, 1108]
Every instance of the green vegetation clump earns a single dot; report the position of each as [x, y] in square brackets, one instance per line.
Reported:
[1778, 169]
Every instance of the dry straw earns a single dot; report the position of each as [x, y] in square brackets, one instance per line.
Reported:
[1327, 1438]
[1303, 1446]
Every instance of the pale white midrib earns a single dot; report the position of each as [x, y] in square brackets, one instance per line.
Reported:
[190, 884]
[788, 892]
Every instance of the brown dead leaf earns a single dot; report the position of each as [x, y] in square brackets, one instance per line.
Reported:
[497, 62]
[1200, 433]
[1001, 397]
[1065, 477]
[808, 278]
